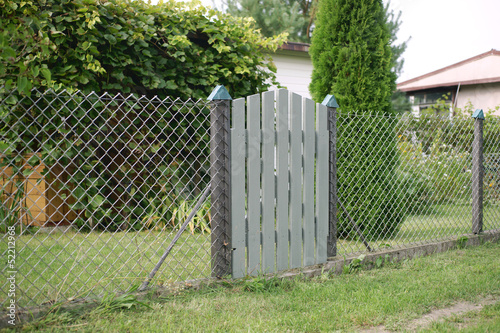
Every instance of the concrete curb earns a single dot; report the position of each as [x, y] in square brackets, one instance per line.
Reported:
[336, 265]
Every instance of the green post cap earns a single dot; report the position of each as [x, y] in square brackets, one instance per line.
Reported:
[219, 93]
[478, 114]
[330, 101]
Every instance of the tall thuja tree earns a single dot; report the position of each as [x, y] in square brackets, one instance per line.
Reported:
[352, 59]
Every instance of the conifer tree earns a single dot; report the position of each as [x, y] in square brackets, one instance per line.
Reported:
[352, 59]
[351, 55]
[295, 17]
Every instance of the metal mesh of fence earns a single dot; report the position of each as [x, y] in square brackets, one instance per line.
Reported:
[405, 180]
[491, 162]
[96, 188]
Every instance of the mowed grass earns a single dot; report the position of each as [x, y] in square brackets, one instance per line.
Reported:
[390, 297]
[74, 265]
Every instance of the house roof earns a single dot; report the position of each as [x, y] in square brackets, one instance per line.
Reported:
[483, 68]
[292, 46]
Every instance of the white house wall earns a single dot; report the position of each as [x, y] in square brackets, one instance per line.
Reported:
[294, 71]
[482, 96]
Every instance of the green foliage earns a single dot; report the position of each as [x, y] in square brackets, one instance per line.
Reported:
[367, 158]
[112, 302]
[162, 213]
[400, 102]
[11, 204]
[111, 142]
[354, 266]
[169, 49]
[440, 175]
[261, 284]
[381, 261]
[462, 242]
[435, 157]
[351, 55]
[393, 22]
[294, 17]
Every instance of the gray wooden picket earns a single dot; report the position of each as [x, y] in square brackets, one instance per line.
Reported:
[238, 222]
[279, 183]
[268, 183]
[253, 179]
[308, 194]
[295, 181]
[322, 183]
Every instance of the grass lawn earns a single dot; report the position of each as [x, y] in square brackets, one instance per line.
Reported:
[392, 297]
[73, 265]
[440, 222]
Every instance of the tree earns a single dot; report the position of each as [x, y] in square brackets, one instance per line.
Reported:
[352, 58]
[295, 17]
[393, 22]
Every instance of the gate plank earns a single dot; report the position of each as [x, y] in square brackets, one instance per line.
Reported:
[282, 180]
[309, 149]
[322, 183]
[295, 181]
[268, 185]
[238, 145]
[253, 177]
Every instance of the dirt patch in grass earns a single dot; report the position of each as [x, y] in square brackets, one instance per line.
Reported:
[438, 315]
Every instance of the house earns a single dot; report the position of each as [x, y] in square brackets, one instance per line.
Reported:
[294, 67]
[475, 80]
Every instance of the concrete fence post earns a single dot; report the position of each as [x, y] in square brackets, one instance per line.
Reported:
[477, 173]
[220, 183]
[331, 103]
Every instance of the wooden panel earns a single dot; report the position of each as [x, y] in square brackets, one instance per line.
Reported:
[55, 205]
[322, 183]
[43, 200]
[36, 210]
[295, 181]
[282, 199]
[238, 148]
[308, 199]
[268, 184]
[253, 186]
[8, 180]
[35, 202]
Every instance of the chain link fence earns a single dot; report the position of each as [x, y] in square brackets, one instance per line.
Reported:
[99, 188]
[406, 180]
[96, 188]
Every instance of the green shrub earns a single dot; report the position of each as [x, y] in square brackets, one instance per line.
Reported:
[122, 150]
[169, 49]
[435, 157]
[433, 173]
[367, 158]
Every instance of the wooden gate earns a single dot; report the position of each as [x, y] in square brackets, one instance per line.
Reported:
[279, 183]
